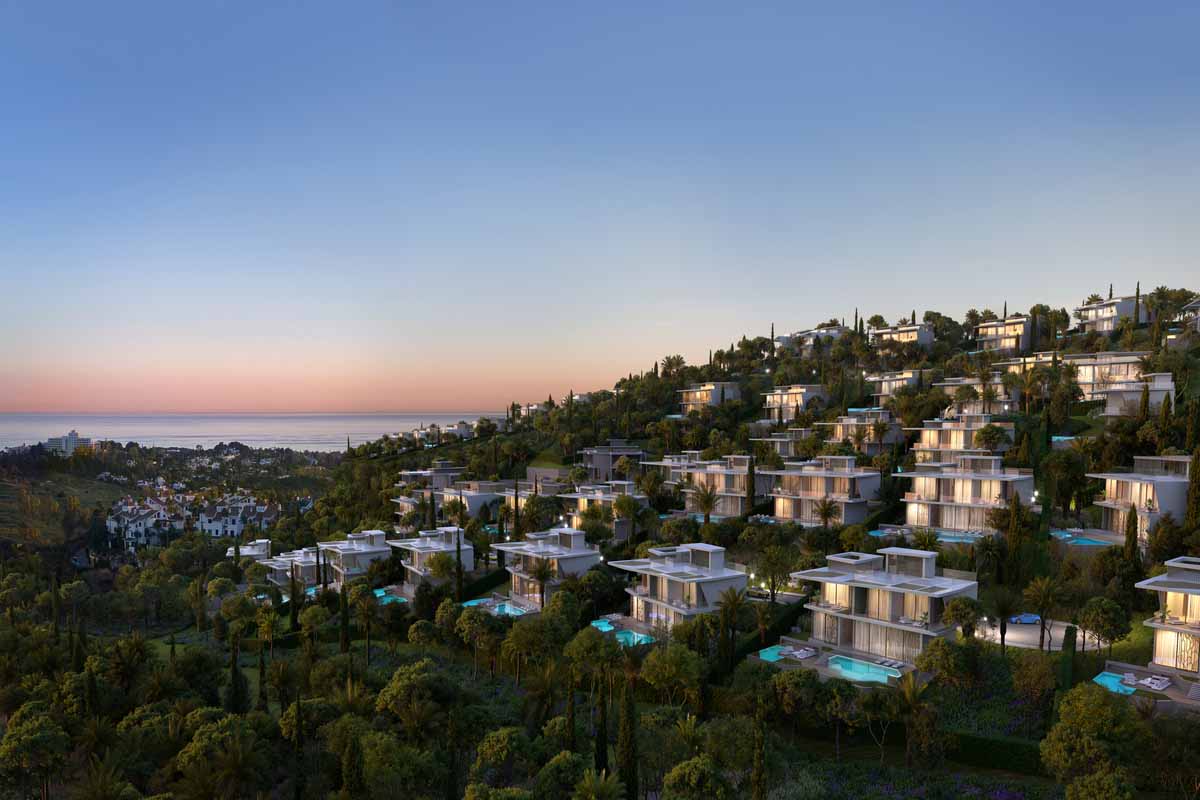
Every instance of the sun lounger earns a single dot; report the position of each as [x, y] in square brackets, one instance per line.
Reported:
[1129, 679]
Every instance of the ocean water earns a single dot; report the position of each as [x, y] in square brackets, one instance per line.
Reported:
[320, 432]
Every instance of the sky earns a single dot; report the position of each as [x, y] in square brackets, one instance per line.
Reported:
[413, 206]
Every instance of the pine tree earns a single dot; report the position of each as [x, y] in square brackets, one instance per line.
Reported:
[601, 757]
[758, 772]
[627, 755]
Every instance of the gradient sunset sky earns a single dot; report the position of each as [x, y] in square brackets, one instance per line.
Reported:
[447, 206]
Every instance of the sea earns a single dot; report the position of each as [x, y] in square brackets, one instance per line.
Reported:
[299, 431]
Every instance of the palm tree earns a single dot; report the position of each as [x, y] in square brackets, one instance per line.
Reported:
[282, 679]
[705, 499]
[984, 375]
[910, 704]
[103, 781]
[826, 511]
[238, 765]
[598, 786]
[879, 429]
[543, 573]
[1042, 596]
[925, 539]
[1003, 603]
[989, 554]
[269, 626]
[366, 607]
[650, 482]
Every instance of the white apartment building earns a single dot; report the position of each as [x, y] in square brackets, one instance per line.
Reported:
[66, 445]
[230, 516]
[958, 497]
[728, 476]
[786, 443]
[603, 496]
[1177, 624]
[1004, 401]
[920, 334]
[784, 403]
[887, 383]
[943, 441]
[566, 551]
[863, 422]
[1104, 316]
[599, 460]
[702, 395]
[799, 487]
[415, 553]
[678, 583]
[1012, 334]
[889, 604]
[1157, 485]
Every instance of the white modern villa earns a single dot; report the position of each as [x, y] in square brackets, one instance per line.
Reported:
[1103, 317]
[674, 466]
[703, 395]
[728, 477]
[1125, 399]
[957, 497]
[1094, 372]
[1156, 485]
[888, 604]
[603, 496]
[800, 487]
[259, 550]
[678, 583]
[416, 553]
[440, 474]
[784, 443]
[888, 383]
[565, 550]
[875, 426]
[942, 441]
[302, 564]
[1009, 335]
[517, 496]
[920, 334]
[804, 341]
[475, 495]
[351, 557]
[1002, 401]
[599, 460]
[784, 403]
[1177, 624]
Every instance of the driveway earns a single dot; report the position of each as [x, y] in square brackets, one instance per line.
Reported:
[1025, 635]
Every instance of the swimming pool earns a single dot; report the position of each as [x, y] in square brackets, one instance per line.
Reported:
[602, 625]
[508, 610]
[633, 638]
[1112, 682]
[771, 653]
[391, 598]
[478, 602]
[1081, 541]
[856, 670]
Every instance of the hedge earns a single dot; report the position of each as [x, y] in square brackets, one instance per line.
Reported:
[485, 584]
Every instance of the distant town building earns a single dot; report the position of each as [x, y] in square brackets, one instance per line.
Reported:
[68, 444]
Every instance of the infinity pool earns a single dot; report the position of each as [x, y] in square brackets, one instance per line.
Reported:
[1081, 541]
[477, 602]
[509, 610]
[856, 670]
[1112, 682]
[771, 653]
[633, 638]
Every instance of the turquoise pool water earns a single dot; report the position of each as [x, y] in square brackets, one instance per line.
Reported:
[856, 670]
[1082, 541]
[633, 638]
[1112, 682]
[948, 538]
[509, 610]
[380, 592]
[602, 625]
[477, 602]
[311, 591]
[771, 653]
[391, 598]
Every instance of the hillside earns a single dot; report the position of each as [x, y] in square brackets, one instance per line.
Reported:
[50, 497]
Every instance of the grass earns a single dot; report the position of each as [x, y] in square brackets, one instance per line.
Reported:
[52, 492]
[552, 456]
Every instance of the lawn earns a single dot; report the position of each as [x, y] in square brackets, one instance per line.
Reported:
[552, 456]
[57, 488]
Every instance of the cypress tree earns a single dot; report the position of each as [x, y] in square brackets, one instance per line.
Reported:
[91, 695]
[262, 678]
[432, 511]
[758, 773]
[299, 784]
[1110, 291]
[1193, 425]
[1137, 305]
[516, 531]
[750, 486]
[1144, 405]
[293, 601]
[1131, 534]
[601, 757]
[343, 622]
[1164, 422]
[352, 769]
[172, 651]
[458, 568]
[1192, 517]
[1066, 664]
[237, 700]
[627, 756]
[571, 744]
[452, 772]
